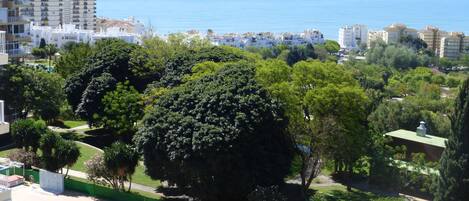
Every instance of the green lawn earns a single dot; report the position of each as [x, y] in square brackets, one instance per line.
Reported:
[4, 153]
[87, 153]
[339, 193]
[73, 124]
[139, 177]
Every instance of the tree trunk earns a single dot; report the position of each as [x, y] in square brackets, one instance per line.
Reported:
[349, 177]
[66, 173]
[130, 183]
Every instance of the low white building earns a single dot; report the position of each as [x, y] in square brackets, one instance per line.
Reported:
[267, 39]
[69, 33]
[352, 37]
[307, 37]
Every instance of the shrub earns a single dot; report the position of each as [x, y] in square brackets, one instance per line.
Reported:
[271, 193]
[27, 157]
[26, 133]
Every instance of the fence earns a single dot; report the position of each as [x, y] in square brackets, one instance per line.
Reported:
[85, 188]
[103, 192]
[19, 171]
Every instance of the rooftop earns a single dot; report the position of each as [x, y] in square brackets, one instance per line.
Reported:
[412, 136]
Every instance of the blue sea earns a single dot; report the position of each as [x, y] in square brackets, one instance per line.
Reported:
[223, 16]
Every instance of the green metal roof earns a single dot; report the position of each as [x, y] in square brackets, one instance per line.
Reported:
[412, 136]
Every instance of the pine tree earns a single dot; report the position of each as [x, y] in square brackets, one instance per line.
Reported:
[453, 181]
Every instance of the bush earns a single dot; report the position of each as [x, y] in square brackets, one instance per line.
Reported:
[271, 193]
[39, 53]
[27, 157]
[27, 133]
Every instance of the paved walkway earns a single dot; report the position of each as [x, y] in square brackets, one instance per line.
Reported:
[64, 130]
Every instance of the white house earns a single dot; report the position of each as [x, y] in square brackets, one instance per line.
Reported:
[69, 33]
[351, 37]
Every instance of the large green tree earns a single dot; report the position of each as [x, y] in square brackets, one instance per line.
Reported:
[220, 135]
[73, 59]
[27, 90]
[108, 65]
[121, 161]
[27, 133]
[453, 181]
[123, 107]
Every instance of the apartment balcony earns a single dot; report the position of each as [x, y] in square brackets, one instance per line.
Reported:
[23, 37]
[15, 3]
[16, 53]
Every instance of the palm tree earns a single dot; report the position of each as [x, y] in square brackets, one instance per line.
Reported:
[50, 51]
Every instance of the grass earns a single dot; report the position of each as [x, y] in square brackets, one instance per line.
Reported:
[139, 176]
[142, 193]
[4, 153]
[73, 124]
[87, 153]
[340, 193]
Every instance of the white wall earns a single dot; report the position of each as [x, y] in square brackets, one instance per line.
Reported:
[2, 112]
[51, 181]
[5, 194]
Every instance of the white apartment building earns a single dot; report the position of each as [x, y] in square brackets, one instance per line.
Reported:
[81, 13]
[3, 51]
[352, 37]
[313, 37]
[454, 45]
[392, 34]
[69, 33]
[15, 26]
[267, 39]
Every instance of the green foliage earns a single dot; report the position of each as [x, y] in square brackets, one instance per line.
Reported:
[220, 134]
[43, 43]
[39, 53]
[121, 161]
[28, 90]
[300, 53]
[413, 42]
[26, 133]
[57, 152]
[332, 46]
[394, 56]
[73, 59]
[123, 107]
[266, 194]
[453, 180]
[91, 107]
[108, 65]
[339, 113]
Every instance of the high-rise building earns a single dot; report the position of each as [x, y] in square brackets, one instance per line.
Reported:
[351, 37]
[54, 13]
[3, 51]
[432, 36]
[15, 26]
[392, 34]
[454, 45]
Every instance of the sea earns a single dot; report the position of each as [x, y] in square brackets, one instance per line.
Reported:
[227, 16]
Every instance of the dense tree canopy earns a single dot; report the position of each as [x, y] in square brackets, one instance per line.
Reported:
[220, 134]
[454, 165]
[26, 90]
[27, 133]
[396, 56]
[123, 107]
